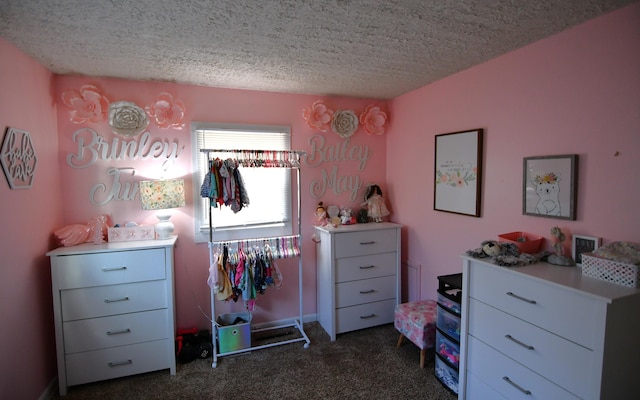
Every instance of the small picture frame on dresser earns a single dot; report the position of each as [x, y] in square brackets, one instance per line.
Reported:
[583, 244]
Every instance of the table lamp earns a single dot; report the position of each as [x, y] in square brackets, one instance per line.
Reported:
[162, 195]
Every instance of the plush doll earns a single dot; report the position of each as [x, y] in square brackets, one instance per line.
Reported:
[345, 216]
[321, 215]
[376, 207]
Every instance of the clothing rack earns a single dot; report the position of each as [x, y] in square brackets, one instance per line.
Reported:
[262, 159]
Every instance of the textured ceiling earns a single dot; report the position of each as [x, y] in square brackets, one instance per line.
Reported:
[359, 48]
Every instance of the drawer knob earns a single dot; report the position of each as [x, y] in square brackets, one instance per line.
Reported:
[515, 385]
[521, 298]
[119, 332]
[120, 363]
[116, 300]
[365, 243]
[110, 269]
[367, 266]
[514, 340]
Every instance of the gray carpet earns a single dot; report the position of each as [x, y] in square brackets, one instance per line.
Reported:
[359, 365]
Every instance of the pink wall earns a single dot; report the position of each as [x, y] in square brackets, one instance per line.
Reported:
[223, 106]
[574, 93]
[28, 218]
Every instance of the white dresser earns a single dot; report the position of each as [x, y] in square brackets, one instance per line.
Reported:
[358, 275]
[547, 332]
[113, 310]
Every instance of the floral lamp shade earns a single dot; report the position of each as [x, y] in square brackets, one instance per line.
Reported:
[162, 195]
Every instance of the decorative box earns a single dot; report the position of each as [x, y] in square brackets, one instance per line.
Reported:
[234, 331]
[610, 271]
[131, 233]
[526, 242]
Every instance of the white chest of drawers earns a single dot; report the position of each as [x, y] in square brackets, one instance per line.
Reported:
[358, 276]
[546, 332]
[113, 310]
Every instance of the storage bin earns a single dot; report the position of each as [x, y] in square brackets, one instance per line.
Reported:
[610, 271]
[234, 331]
[448, 323]
[449, 304]
[446, 375]
[448, 349]
[526, 242]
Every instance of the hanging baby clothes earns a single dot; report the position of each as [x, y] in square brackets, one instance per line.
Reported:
[223, 185]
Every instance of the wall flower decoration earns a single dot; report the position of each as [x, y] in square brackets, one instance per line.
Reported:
[86, 105]
[345, 123]
[373, 120]
[167, 112]
[318, 116]
[127, 119]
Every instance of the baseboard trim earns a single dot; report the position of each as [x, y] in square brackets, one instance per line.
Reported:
[305, 319]
[50, 392]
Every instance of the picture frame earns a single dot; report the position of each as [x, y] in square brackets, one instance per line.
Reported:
[583, 244]
[550, 186]
[458, 172]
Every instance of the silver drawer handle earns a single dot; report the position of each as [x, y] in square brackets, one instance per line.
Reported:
[367, 266]
[116, 300]
[521, 298]
[514, 340]
[367, 291]
[367, 316]
[118, 332]
[106, 269]
[120, 363]
[364, 243]
[515, 385]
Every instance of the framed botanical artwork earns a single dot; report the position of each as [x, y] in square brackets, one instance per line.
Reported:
[458, 172]
[583, 244]
[550, 185]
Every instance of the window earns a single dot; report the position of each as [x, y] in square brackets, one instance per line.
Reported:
[269, 189]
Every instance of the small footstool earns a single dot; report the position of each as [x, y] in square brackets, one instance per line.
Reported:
[417, 322]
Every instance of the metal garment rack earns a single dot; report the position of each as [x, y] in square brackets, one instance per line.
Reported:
[262, 159]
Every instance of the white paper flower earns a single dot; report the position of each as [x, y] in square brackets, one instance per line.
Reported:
[127, 119]
[345, 123]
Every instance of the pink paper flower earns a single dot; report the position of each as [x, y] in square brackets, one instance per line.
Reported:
[372, 120]
[87, 104]
[318, 116]
[167, 112]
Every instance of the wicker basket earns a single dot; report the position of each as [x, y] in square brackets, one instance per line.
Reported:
[610, 271]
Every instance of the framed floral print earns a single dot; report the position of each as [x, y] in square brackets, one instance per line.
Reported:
[458, 172]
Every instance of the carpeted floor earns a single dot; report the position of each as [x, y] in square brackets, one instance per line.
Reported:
[359, 365]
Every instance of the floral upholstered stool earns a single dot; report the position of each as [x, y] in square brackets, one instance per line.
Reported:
[417, 322]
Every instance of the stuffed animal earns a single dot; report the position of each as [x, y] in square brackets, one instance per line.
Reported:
[502, 253]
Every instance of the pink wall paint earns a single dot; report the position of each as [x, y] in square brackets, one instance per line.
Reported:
[28, 218]
[224, 106]
[577, 92]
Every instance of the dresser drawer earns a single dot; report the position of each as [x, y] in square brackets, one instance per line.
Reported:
[349, 244]
[118, 330]
[503, 374]
[553, 308]
[365, 291]
[116, 362]
[362, 267]
[96, 269]
[557, 359]
[102, 301]
[364, 315]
